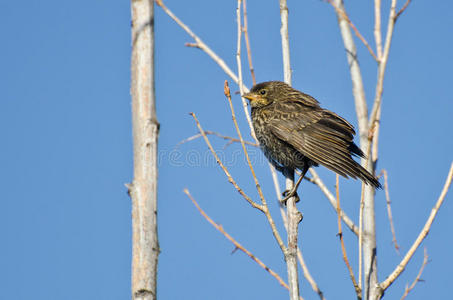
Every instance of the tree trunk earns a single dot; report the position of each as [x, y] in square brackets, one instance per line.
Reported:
[145, 128]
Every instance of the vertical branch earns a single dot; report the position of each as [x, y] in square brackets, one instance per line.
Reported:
[300, 257]
[356, 76]
[371, 284]
[343, 248]
[145, 129]
[372, 288]
[369, 247]
[287, 72]
[247, 41]
[389, 210]
[239, 65]
[362, 204]
[294, 216]
[377, 28]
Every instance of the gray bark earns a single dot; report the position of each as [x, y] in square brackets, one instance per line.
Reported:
[145, 128]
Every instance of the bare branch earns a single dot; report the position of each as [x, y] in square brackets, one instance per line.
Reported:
[398, 14]
[375, 131]
[389, 210]
[361, 208]
[308, 276]
[417, 278]
[247, 42]
[264, 206]
[235, 243]
[367, 209]
[300, 257]
[317, 180]
[208, 132]
[294, 216]
[377, 28]
[343, 249]
[225, 170]
[287, 72]
[339, 9]
[145, 130]
[382, 65]
[242, 89]
[201, 45]
[367, 235]
[198, 42]
[358, 90]
[400, 268]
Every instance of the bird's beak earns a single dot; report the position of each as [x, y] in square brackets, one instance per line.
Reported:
[250, 96]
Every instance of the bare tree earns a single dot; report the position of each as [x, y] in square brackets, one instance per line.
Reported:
[366, 282]
[145, 129]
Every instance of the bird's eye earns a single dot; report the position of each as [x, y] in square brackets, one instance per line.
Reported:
[263, 92]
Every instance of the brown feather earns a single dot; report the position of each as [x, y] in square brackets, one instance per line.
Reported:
[295, 132]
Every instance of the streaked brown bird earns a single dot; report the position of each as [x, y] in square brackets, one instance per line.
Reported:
[294, 132]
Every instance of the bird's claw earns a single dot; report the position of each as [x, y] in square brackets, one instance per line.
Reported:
[288, 194]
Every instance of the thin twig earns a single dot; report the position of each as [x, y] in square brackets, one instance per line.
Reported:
[247, 41]
[389, 210]
[235, 243]
[376, 127]
[240, 82]
[317, 180]
[199, 43]
[424, 232]
[225, 170]
[343, 248]
[208, 132]
[417, 278]
[402, 9]
[202, 46]
[308, 276]
[382, 65]
[264, 206]
[340, 11]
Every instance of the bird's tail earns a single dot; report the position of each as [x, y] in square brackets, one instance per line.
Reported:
[365, 176]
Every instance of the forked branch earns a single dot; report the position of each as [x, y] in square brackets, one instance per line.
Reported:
[235, 243]
[424, 232]
[225, 170]
[418, 277]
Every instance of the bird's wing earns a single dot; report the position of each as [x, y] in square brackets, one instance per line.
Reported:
[320, 135]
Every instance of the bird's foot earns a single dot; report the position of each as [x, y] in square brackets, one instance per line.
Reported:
[288, 194]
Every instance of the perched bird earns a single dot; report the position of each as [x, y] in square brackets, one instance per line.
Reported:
[294, 132]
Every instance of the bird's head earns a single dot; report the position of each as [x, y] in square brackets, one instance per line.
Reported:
[265, 93]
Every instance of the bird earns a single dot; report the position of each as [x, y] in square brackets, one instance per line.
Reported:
[295, 132]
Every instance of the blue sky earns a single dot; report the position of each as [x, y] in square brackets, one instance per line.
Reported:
[66, 152]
